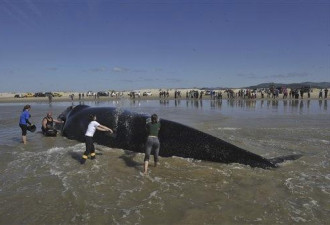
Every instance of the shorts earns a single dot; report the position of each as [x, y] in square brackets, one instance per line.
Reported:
[24, 129]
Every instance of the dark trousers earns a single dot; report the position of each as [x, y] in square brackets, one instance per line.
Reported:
[152, 144]
[90, 149]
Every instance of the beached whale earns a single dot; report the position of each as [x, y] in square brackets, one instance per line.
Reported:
[176, 139]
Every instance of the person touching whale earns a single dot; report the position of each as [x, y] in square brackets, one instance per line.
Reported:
[48, 125]
[91, 129]
[152, 143]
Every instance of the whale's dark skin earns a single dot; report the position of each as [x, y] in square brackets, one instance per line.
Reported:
[175, 139]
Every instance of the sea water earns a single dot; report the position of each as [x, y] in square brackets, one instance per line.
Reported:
[43, 183]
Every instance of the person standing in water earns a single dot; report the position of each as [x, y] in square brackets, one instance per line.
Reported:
[153, 128]
[92, 127]
[24, 121]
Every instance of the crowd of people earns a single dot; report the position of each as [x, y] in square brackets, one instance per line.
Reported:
[255, 93]
[294, 93]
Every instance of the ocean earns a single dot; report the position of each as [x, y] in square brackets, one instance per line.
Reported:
[43, 182]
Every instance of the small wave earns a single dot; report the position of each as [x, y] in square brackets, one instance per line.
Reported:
[312, 204]
[327, 176]
[153, 194]
[190, 160]
[325, 141]
[298, 219]
[289, 184]
[224, 173]
[55, 150]
[228, 128]
[55, 172]
[325, 190]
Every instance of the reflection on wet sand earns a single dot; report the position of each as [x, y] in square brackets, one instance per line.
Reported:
[294, 104]
[288, 105]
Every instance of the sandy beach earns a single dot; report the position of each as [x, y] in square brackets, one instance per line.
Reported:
[66, 96]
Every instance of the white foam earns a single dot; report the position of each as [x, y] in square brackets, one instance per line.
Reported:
[55, 172]
[153, 194]
[298, 219]
[228, 128]
[126, 212]
[327, 176]
[325, 141]
[313, 203]
[191, 160]
[54, 150]
[325, 190]
[289, 184]
[224, 173]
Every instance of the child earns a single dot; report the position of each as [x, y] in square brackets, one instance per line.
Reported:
[92, 127]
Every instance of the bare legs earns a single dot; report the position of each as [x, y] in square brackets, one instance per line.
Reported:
[24, 139]
[146, 163]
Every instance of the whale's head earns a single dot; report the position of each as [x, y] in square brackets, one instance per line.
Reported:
[63, 115]
[70, 111]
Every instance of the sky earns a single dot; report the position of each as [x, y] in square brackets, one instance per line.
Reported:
[81, 45]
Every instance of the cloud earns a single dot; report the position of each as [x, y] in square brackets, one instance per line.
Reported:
[140, 79]
[97, 70]
[127, 81]
[248, 75]
[291, 75]
[120, 69]
[147, 79]
[174, 80]
[280, 76]
[139, 71]
[158, 70]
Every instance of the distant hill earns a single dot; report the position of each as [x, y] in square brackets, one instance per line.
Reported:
[293, 85]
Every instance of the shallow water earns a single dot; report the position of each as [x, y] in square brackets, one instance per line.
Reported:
[43, 182]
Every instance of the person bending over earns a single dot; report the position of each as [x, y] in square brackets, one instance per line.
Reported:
[24, 121]
[92, 127]
[48, 123]
[153, 128]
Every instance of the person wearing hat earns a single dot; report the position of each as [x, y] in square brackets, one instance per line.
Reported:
[24, 121]
[91, 129]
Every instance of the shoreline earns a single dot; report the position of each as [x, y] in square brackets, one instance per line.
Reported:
[104, 99]
[66, 96]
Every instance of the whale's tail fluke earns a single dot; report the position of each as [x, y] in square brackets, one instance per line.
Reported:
[281, 159]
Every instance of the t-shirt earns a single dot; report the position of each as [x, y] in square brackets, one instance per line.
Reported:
[92, 128]
[153, 129]
[25, 115]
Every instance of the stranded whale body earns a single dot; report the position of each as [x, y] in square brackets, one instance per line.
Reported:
[175, 139]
